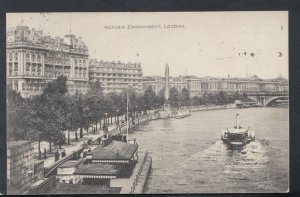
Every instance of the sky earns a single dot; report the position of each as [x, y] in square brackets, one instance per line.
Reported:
[216, 44]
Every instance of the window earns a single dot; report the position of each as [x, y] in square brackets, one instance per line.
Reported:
[10, 57]
[27, 56]
[39, 57]
[16, 56]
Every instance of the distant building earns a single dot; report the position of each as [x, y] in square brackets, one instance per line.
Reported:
[199, 86]
[33, 60]
[158, 83]
[116, 76]
[20, 166]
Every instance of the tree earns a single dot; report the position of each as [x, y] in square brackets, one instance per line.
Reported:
[184, 97]
[149, 98]
[195, 101]
[57, 87]
[80, 108]
[95, 99]
[174, 97]
[222, 98]
[17, 115]
[73, 117]
[160, 98]
[53, 99]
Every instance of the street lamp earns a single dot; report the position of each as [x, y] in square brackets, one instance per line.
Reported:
[105, 120]
[118, 117]
[136, 111]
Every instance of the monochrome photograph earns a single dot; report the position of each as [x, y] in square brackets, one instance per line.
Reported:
[147, 102]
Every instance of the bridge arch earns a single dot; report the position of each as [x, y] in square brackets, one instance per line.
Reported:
[269, 100]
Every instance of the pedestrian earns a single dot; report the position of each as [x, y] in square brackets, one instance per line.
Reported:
[45, 153]
[56, 155]
[89, 150]
[63, 154]
[89, 141]
[84, 153]
[74, 155]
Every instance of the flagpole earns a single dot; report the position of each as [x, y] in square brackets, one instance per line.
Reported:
[127, 118]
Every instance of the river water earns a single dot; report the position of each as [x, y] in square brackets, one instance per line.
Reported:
[189, 157]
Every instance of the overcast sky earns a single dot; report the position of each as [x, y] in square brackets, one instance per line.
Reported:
[210, 44]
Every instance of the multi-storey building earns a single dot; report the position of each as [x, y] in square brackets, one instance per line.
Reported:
[199, 86]
[116, 76]
[33, 60]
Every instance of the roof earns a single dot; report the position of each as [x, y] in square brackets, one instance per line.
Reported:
[99, 169]
[71, 163]
[65, 188]
[237, 131]
[114, 151]
[13, 144]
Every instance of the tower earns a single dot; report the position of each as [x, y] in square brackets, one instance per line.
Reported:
[167, 87]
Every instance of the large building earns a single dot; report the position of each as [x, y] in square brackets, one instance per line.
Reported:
[33, 60]
[116, 76]
[199, 86]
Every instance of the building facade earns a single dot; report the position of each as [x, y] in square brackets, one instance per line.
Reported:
[116, 76]
[200, 86]
[20, 166]
[33, 60]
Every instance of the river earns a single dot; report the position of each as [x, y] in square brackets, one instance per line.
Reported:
[189, 157]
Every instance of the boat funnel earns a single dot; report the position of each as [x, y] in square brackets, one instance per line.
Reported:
[237, 121]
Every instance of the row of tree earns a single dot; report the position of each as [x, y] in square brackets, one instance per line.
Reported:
[46, 116]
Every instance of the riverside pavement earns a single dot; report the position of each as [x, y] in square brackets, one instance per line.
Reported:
[74, 145]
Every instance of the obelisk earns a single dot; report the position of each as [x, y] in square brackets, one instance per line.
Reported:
[167, 88]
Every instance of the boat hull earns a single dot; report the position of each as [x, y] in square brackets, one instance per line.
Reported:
[237, 145]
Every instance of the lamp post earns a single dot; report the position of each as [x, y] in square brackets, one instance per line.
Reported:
[136, 111]
[105, 120]
[118, 117]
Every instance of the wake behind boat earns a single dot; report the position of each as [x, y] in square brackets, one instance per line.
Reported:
[237, 137]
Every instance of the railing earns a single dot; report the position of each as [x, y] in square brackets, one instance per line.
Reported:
[135, 181]
[44, 187]
[51, 169]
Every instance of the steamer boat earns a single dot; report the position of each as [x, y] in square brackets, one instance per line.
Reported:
[237, 137]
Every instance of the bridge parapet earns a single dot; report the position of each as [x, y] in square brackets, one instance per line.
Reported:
[268, 94]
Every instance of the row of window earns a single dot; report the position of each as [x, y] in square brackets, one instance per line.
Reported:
[114, 75]
[115, 70]
[124, 80]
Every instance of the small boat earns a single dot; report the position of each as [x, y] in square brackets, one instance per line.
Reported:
[237, 137]
[242, 105]
[182, 114]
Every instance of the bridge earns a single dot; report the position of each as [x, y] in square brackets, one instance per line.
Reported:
[267, 98]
